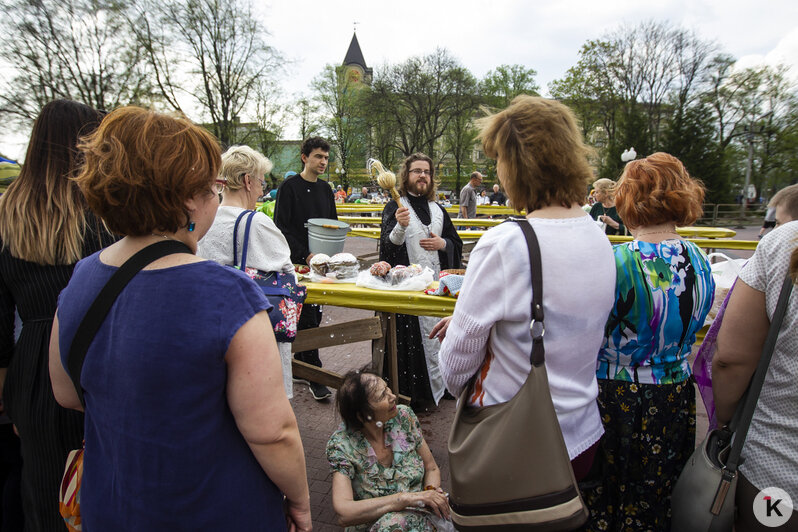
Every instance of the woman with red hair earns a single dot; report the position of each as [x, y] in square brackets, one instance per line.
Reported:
[663, 292]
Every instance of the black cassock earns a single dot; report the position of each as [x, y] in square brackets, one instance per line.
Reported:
[413, 377]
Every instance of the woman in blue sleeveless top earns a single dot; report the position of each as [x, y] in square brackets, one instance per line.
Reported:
[187, 423]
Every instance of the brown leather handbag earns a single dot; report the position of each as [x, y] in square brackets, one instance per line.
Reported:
[508, 462]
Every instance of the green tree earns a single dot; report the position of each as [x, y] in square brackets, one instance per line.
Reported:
[505, 82]
[75, 49]
[215, 47]
[460, 137]
[690, 136]
[342, 100]
[306, 111]
[418, 100]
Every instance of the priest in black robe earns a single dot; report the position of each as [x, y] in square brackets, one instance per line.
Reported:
[418, 230]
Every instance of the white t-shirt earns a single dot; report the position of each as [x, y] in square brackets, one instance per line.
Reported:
[267, 251]
[494, 308]
[771, 447]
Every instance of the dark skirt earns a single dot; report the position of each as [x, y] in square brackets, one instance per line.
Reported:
[649, 435]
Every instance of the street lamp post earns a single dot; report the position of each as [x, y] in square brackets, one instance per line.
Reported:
[749, 165]
[749, 135]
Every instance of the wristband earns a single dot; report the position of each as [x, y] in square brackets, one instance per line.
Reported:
[430, 487]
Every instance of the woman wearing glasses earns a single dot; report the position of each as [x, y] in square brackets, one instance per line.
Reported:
[187, 427]
[242, 173]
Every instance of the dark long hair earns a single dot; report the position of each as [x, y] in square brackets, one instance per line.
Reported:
[43, 213]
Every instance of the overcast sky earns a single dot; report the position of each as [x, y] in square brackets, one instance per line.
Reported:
[544, 35]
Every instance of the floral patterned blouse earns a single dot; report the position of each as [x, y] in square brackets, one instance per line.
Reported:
[351, 454]
[663, 293]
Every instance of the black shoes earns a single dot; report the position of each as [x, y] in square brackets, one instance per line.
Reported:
[318, 391]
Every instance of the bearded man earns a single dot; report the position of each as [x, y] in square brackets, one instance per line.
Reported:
[418, 231]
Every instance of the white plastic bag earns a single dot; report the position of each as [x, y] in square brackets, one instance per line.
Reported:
[416, 283]
[724, 273]
[329, 278]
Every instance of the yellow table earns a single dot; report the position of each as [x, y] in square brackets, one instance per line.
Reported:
[707, 242]
[467, 222]
[393, 301]
[453, 209]
[374, 232]
[386, 302]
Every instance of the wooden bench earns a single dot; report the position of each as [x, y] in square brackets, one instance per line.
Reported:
[380, 329]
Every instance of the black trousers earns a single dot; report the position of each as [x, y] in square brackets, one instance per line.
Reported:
[11, 516]
[309, 319]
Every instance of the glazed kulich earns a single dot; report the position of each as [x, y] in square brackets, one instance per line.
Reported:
[344, 265]
[320, 264]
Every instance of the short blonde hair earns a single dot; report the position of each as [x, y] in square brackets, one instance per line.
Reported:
[604, 185]
[238, 161]
[542, 151]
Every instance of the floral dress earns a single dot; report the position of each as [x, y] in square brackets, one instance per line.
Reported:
[646, 397]
[351, 454]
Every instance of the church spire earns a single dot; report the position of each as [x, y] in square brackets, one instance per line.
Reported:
[354, 56]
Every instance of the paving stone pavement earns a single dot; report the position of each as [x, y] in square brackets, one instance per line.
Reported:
[318, 420]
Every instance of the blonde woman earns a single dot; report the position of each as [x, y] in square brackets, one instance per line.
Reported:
[45, 228]
[243, 170]
[604, 208]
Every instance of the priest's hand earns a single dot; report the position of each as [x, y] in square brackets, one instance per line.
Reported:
[433, 243]
[439, 331]
[403, 216]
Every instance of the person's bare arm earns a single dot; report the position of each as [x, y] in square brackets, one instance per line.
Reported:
[740, 339]
[432, 473]
[351, 512]
[63, 388]
[263, 414]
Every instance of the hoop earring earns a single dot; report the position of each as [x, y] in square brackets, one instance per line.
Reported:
[190, 226]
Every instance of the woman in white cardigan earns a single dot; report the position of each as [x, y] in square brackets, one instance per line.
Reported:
[243, 170]
[542, 165]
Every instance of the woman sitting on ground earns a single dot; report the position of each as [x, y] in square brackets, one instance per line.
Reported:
[384, 475]
[242, 171]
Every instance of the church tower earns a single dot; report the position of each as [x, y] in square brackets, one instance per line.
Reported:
[356, 69]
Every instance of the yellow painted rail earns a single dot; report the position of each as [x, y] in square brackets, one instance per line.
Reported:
[402, 302]
[465, 222]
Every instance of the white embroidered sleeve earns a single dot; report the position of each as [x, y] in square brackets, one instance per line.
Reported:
[397, 235]
[463, 350]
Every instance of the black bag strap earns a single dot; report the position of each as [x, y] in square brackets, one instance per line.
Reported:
[537, 357]
[745, 408]
[235, 240]
[102, 304]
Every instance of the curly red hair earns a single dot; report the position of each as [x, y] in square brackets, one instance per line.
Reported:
[141, 167]
[658, 190]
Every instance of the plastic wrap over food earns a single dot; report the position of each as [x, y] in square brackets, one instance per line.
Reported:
[413, 278]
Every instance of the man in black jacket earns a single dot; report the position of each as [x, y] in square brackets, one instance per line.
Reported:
[299, 198]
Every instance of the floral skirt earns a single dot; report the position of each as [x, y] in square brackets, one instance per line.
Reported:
[649, 435]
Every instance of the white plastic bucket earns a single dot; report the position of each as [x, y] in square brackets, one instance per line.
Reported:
[326, 235]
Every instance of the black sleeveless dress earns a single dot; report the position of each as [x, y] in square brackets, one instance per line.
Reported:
[47, 431]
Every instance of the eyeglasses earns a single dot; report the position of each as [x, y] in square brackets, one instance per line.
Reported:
[419, 171]
[262, 182]
[218, 186]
